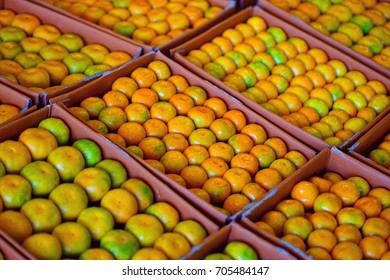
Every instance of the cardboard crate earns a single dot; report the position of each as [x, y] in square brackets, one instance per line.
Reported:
[12, 97]
[327, 160]
[66, 25]
[228, 6]
[78, 130]
[266, 5]
[179, 53]
[369, 141]
[235, 232]
[100, 86]
[8, 251]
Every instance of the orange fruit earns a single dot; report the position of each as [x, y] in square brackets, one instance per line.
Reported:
[323, 219]
[196, 154]
[322, 238]
[215, 166]
[299, 226]
[253, 191]
[327, 202]
[194, 176]
[246, 161]
[144, 77]
[305, 192]
[175, 141]
[382, 194]
[173, 245]
[276, 220]
[223, 128]
[120, 243]
[347, 251]
[164, 89]
[182, 103]
[203, 137]
[221, 150]
[268, 178]
[145, 227]
[290, 207]
[152, 148]
[145, 96]
[16, 225]
[137, 112]
[237, 178]
[264, 227]
[166, 213]
[174, 161]
[370, 206]
[264, 154]
[181, 124]
[284, 166]
[177, 178]
[235, 203]
[201, 193]
[373, 247]
[318, 253]
[218, 189]
[347, 191]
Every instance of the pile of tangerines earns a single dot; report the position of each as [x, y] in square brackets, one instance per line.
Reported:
[285, 76]
[381, 153]
[362, 25]
[195, 140]
[62, 199]
[331, 217]
[42, 58]
[149, 22]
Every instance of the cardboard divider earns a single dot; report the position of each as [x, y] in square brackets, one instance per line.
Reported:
[12, 97]
[103, 84]
[327, 160]
[266, 5]
[179, 53]
[78, 130]
[228, 6]
[8, 251]
[369, 141]
[235, 232]
[67, 25]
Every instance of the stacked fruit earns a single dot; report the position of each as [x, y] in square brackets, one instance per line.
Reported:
[197, 141]
[298, 83]
[381, 153]
[234, 250]
[64, 200]
[7, 112]
[42, 58]
[330, 216]
[150, 22]
[361, 25]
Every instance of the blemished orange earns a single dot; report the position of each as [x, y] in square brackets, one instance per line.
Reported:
[370, 206]
[305, 192]
[194, 176]
[235, 203]
[268, 178]
[327, 202]
[276, 220]
[323, 219]
[218, 189]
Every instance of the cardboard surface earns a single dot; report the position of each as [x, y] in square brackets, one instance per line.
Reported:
[369, 141]
[67, 25]
[8, 251]
[181, 51]
[12, 97]
[266, 5]
[103, 84]
[229, 8]
[327, 160]
[235, 232]
[109, 151]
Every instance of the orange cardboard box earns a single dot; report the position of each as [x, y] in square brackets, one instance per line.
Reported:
[228, 6]
[327, 160]
[103, 84]
[179, 53]
[235, 232]
[266, 5]
[78, 130]
[12, 97]
[66, 25]
[369, 141]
